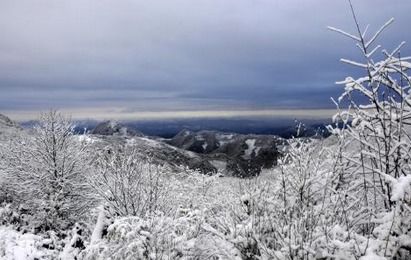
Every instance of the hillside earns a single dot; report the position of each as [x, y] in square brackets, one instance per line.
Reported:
[237, 154]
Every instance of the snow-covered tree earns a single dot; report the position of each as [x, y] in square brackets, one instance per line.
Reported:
[127, 183]
[45, 171]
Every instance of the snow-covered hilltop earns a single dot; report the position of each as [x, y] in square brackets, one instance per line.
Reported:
[114, 128]
[7, 122]
[234, 154]
[8, 128]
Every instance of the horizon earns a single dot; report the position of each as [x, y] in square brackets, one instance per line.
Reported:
[121, 115]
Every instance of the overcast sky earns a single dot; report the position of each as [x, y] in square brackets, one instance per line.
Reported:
[128, 56]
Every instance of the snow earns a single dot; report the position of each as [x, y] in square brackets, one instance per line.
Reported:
[371, 255]
[190, 154]
[250, 148]
[113, 124]
[17, 246]
[401, 186]
[186, 133]
[220, 165]
[151, 142]
[199, 138]
[226, 136]
[222, 142]
[86, 139]
[98, 229]
[205, 146]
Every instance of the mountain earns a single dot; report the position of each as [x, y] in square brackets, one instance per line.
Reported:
[233, 154]
[155, 151]
[114, 128]
[283, 127]
[8, 128]
[7, 122]
[208, 152]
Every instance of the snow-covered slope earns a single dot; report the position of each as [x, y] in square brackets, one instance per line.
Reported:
[17, 246]
[156, 151]
[236, 154]
[8, 127]
[7, 122]
[114, 128]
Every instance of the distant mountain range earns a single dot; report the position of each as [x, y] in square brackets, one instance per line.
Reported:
[235, 147]
[285, 127]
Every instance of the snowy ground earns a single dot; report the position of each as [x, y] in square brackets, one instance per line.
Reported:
[17, 246]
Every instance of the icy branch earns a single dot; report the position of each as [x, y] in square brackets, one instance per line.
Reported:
[354, 63]
[344, 33]
[379, 32]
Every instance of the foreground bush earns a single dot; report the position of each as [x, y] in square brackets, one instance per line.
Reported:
[185, 236]
[128, 184]
[43, 174]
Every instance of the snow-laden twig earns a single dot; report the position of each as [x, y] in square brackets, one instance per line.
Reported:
[382, 28]
[349, 35]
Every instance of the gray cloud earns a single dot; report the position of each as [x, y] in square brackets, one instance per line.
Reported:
[181, 54]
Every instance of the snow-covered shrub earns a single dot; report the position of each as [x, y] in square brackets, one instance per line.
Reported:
[8, 215]
[247, 223]
[374, 187]
[154, 237]
[193, 189]
[129, 185]
[280, 216]
[305, 175]
[75, 243]
[45, 173]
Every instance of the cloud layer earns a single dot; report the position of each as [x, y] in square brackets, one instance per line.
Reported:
[181, 54]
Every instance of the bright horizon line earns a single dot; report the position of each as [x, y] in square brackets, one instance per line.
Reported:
[123, 114]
